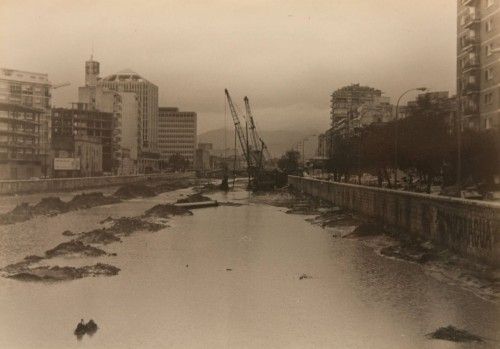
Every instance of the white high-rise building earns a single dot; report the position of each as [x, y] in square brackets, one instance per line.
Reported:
[126, 109]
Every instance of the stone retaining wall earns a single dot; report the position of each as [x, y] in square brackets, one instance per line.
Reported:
[467, 226]
[68, 184]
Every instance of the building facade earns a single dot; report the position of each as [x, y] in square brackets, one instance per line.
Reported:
[19, 141]
[345, 106]
[31, 90]
[177, 133]
[478, 63]
[81, 120]
[126, 112]
[147, 95]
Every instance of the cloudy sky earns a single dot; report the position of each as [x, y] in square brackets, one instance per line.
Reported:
[287, 56]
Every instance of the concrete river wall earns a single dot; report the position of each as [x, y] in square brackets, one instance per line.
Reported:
[469, 227]
[67, 184]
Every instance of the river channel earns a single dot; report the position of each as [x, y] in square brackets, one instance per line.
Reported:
[229, 277]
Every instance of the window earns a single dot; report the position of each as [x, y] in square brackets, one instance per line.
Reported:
[488, 74]
[488, 98]
[489, 25]
[488, 50]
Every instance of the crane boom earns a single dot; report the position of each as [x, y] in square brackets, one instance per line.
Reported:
[238, 129]
[257, 141]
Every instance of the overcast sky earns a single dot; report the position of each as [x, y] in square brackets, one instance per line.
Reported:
[287, 56]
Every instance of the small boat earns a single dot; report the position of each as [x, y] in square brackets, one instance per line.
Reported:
[199, 204]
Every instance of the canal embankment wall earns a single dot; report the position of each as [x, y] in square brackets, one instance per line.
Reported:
[469, 227]
[9, 187]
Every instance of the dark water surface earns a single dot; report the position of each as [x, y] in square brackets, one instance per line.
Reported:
[241, 288]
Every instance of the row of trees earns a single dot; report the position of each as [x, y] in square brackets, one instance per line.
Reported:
[427, 149]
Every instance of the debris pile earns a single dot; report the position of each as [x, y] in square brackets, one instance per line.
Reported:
[54, 205]
[56, 273]
[193, 198]
[74, 247]
[98, 236]
[131, 191]
[410, 250]
[166, 210]
[88, 200]
[453, 334]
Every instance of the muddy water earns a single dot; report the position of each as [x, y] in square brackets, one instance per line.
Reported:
[228, 277]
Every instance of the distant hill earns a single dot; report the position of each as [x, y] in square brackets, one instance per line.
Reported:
[277, 141]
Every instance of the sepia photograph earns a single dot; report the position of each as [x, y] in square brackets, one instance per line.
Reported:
[249, 174]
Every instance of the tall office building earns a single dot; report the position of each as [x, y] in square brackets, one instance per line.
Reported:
[125, 108]
[31, 90]
[147, 92]
[478, 62]
[177, 133]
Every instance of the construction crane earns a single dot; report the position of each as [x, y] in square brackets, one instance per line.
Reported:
[239, 131]
[258, 144]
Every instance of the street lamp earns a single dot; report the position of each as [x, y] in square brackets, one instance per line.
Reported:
[396, 132]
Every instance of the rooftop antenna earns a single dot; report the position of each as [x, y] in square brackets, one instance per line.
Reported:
[92, 52]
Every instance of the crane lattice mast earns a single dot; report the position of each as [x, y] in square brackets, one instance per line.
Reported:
[238, 129]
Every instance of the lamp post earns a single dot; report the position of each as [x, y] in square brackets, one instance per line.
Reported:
[396, 132]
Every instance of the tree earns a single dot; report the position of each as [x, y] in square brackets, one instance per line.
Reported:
[289, 162]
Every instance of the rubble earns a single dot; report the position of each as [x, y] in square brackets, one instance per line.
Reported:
[53, 205]
[74, 247]
[57, 273]
[128, 225]
[131, 191]
[411, 251]
[20, 213]
[453, 334]
[50, 205]
[197, 197]
[166, 210]
[366, 229]
[68, 233]
[98, 236]
[88, 200]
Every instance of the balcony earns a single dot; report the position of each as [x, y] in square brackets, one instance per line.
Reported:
[471, 63]
[471, 19]
[469, 2]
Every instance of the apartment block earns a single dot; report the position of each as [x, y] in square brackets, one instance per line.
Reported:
[19, 141]
[346, 102]
[478, 62]
[31, 90]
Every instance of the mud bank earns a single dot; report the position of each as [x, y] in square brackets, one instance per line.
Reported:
[57, 273]
[30, 268]
[482, 279]
[54, 205]
[453, 334]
